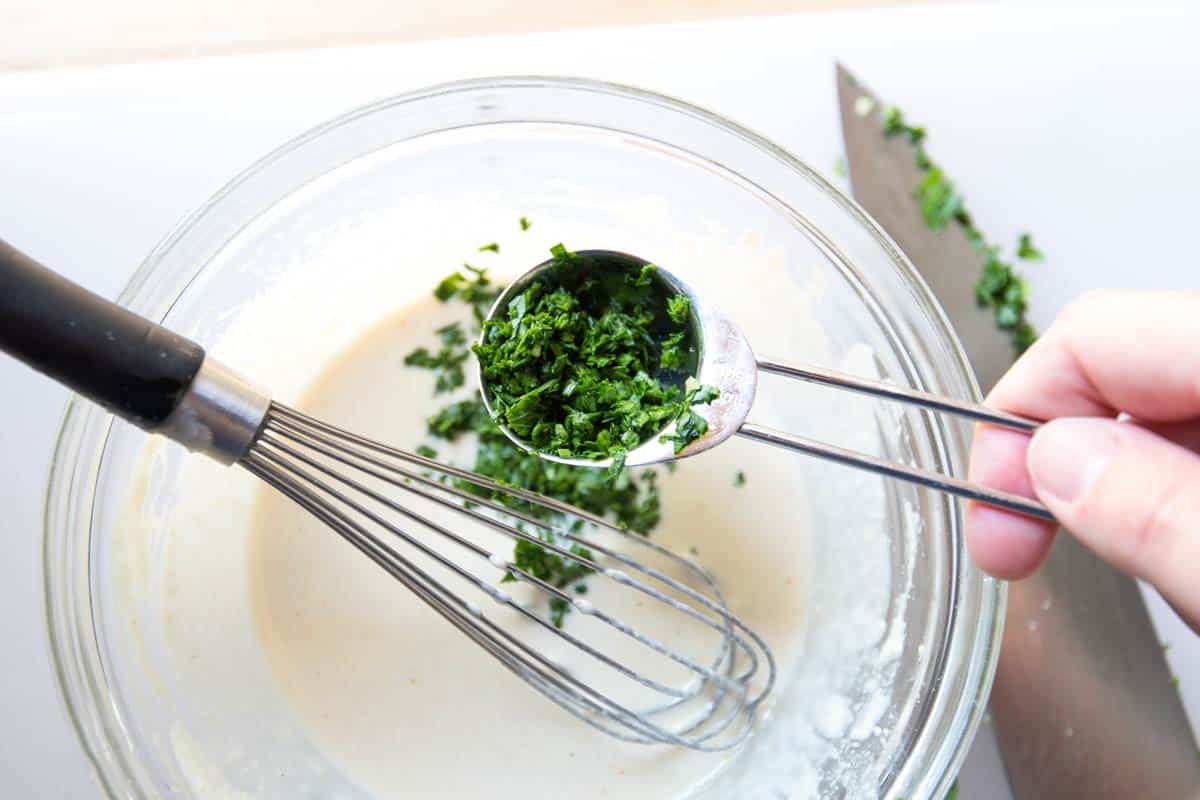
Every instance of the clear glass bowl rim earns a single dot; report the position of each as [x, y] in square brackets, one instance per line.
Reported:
[75, 661]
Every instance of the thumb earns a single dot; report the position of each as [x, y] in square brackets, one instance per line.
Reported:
[1129, 495]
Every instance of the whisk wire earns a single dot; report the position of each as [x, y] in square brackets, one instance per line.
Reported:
[316, 464]
[516, 571]
[558, 686]
[709, 676]
[328, 447]
[449, 564]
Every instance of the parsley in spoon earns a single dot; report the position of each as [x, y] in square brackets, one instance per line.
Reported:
[593, 358]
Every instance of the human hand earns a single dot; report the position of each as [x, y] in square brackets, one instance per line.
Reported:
[1117, 376]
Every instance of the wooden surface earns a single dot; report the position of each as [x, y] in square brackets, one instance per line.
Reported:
[38, 34]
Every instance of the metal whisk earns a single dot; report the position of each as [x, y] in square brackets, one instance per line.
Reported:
[687, 672]
[342, 479]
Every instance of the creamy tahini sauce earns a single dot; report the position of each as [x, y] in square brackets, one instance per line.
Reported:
[406, 705]
[281, 663]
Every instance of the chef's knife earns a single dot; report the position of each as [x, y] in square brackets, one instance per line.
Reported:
[1083, 705]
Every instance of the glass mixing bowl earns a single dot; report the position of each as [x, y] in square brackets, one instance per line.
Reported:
[652, 176]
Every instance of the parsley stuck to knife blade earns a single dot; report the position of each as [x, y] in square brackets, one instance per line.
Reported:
[1000, 287]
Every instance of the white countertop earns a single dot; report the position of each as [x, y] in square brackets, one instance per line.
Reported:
[1075, 122]
[61, 33]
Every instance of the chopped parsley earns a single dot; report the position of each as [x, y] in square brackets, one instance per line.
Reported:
[458, 418]
[588, 360]
[939, 200]
[447, 362]
[1026, 250]
[689, 425]
[999, 286]
[678, 308]
[630, 501]
[452, 334]
[739, 479]
[525, 223]
[553, 569]
[472, 286]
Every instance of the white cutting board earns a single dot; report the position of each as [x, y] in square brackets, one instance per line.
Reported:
[1075, 122]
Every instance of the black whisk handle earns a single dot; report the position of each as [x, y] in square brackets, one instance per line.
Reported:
[130, 365]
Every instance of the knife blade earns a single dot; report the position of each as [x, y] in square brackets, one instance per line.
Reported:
[1083, 704]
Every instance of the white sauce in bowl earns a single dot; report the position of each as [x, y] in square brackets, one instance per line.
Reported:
[408, 706]
[268, 641]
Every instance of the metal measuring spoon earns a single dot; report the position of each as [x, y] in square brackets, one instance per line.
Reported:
[727, 361]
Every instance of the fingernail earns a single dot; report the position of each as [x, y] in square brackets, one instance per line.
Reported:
[1067, 455]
